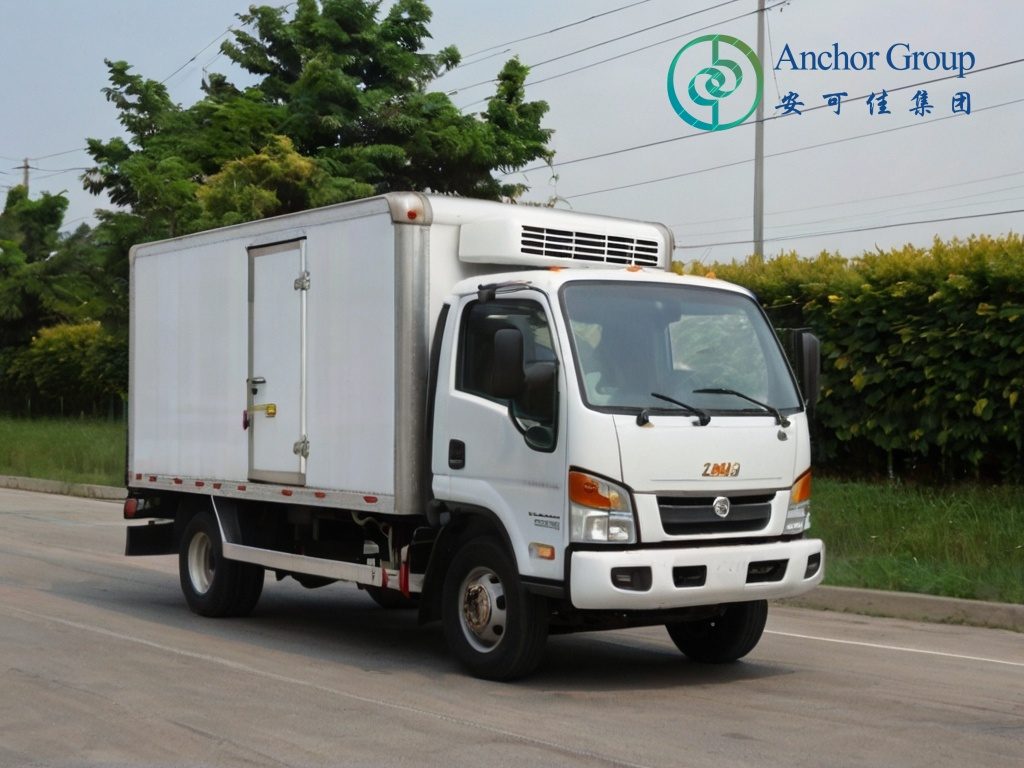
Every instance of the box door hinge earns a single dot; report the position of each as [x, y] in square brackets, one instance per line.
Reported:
[301, 448]
[302, 281]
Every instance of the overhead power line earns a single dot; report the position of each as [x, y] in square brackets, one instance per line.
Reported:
[856, 229]
[858, 200]
[198, 53]
[695, 134]
[551, 31]
[603, 43]
[162, 82]
[786, 152]
[56, 170]
[675, 38]
[931, 206]
[642, 48]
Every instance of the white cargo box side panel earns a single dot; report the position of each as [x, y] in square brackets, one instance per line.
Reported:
[189, 360]
[351, 355]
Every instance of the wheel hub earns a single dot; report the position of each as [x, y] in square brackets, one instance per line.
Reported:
[477, 608]
[200, 562]
[483, 611]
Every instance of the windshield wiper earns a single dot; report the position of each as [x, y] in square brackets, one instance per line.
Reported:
[702, 417]
[781, 420]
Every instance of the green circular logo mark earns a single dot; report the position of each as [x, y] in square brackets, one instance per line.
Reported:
[716, 82]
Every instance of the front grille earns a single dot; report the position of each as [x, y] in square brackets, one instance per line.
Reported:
[695, 515]
[589, 246]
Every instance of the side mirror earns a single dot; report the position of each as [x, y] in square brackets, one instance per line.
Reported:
[810, 368]
[508, 378]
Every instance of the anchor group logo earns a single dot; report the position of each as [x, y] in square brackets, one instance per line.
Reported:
[715, 82]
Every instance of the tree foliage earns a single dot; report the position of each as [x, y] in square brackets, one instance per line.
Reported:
[341, 110]
[75, 364]
[49, 280]
[271, 182]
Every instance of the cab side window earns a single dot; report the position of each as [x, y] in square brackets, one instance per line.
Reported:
[533, 410]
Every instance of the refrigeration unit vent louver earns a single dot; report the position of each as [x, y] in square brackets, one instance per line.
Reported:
[589, 247]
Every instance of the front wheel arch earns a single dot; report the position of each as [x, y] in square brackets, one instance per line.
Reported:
[493, 624]
[466, 523]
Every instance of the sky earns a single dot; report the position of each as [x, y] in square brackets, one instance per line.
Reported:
[847, 182]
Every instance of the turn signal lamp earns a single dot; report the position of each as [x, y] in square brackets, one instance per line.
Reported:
[798, 516]
[599, 510]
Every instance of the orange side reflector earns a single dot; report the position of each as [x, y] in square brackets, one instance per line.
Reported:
[542, 551]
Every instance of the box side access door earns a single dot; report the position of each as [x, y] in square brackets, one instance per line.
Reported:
[276, 387]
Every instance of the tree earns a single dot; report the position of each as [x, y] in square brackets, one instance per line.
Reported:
[48, 280]
[346, 88]
[78, 365]
[341, 110]
[32, 225]
[33, 290]
[170, 151]
[355, 91]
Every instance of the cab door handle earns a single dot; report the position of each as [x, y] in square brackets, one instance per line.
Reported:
[456, 454]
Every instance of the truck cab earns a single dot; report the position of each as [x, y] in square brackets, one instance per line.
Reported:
[640, 444]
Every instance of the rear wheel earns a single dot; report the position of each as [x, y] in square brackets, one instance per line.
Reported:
[724, 638]
[493, 625]
[212, 585]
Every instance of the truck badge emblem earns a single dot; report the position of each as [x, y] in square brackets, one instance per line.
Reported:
[721, 506]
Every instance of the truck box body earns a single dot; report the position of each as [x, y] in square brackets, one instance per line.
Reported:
[518, 414]
[350, 367]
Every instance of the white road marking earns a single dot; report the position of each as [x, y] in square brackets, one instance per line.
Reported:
[883, 647]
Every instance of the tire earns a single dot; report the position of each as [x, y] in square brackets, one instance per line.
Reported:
[212, 585]
[724, 638]
[495, 628]
[391, 599]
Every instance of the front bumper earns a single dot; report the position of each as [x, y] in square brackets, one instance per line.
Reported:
[728, 576]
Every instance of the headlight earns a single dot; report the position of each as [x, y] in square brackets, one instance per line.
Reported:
[599, 510]
[798, 516]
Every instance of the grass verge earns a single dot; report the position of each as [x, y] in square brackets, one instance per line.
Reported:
[961, 541]
[72, 450]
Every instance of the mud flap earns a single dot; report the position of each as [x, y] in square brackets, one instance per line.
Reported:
[152, 539]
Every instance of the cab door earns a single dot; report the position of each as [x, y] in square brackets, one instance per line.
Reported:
[506, 454]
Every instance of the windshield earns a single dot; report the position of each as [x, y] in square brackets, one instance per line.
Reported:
[633, 339]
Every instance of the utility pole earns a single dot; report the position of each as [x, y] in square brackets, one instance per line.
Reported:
[759, 145]
[24, 175]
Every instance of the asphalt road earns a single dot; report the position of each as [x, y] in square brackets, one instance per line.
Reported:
[103, 664]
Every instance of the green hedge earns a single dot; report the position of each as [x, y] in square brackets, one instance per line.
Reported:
[922, 353]
[67, 369]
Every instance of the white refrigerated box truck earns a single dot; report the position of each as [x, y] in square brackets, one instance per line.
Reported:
[517, 419]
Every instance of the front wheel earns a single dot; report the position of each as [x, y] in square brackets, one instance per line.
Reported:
[212, 585]
[724, 638]
[493, 625]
